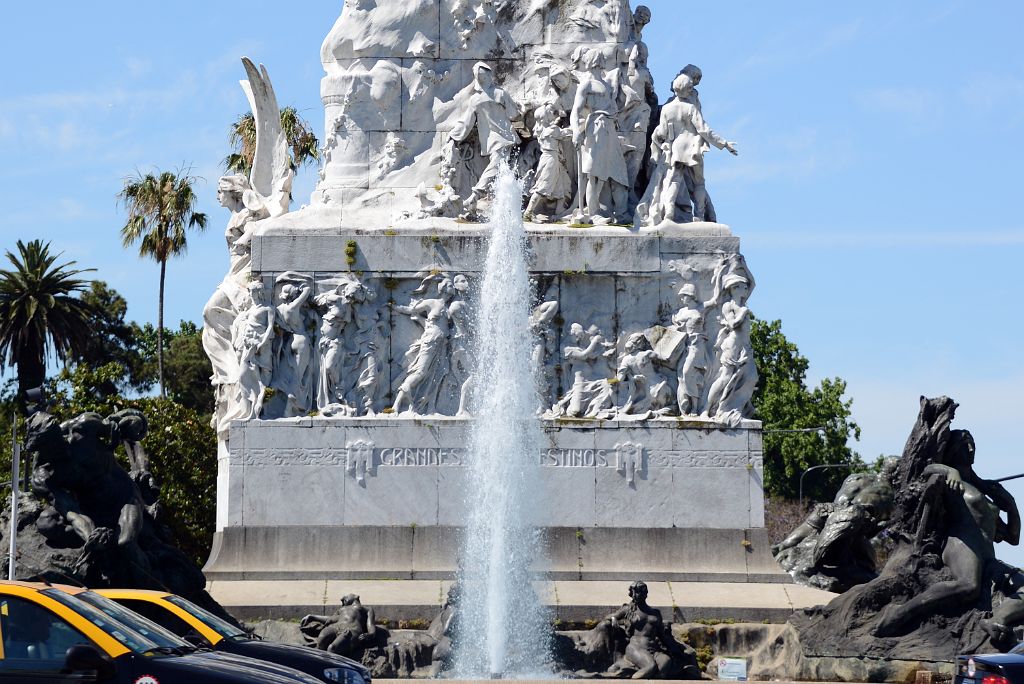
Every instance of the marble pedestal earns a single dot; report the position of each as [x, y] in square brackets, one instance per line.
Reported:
[382, 496]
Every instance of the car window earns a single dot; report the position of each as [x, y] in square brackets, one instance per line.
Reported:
[127, 636]
[139, 623]
[222, 627]
[160, 616]
[33, 637]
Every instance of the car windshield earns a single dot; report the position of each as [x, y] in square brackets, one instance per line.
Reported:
[124, 634]
[1018, 649]
[220, 626]
[144, 626]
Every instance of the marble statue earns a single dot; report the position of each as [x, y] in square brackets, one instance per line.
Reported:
[590, 353]
[832, 549]
[477, 26]
[639, 643]
[641, 18]
[348, 633]
[551, 186]
[599, 21]
[341, 355]
[293, 375]
[427, 362]
[544, 347]
[589, 370]
[266, 193]
[692, 366]
[462, 361]
[649, 393]
[677, 191]
[252, 338]
[729, 398]
[495, 118]
[602, 160]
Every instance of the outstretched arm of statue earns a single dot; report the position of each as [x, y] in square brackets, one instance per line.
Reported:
[705, 132]
[371, 623]
[1008, 531]
[952, 475]
[129, 522]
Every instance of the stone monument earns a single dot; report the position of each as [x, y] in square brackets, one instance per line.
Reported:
[942, 591]
[342, 338]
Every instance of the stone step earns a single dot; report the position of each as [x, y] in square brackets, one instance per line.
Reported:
[396, 600]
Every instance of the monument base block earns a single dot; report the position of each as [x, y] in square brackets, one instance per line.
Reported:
[384, 498]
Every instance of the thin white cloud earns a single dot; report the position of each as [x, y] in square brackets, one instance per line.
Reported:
[138, 66]
[921, 106]
[988, 92]
[800, 44]
[795, 155]
[895, 238]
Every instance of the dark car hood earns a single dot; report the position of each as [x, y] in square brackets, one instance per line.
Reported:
[228, 669]
[233, 662]
[286, 653]
[996, 658]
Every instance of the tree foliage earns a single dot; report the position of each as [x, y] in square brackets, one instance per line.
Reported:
[303, 146]
[161, 208]
[785, 402]
[39, 312]
[113, 340]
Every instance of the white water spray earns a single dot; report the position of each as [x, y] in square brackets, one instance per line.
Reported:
[503, 629]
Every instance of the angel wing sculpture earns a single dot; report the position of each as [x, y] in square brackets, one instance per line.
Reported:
[271, 175]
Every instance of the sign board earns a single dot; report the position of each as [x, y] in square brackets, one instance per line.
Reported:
[732, 668]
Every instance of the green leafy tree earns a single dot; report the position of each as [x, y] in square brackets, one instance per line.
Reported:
[112, 339]
[189, 370]
[181, 445]
[302, 144]
[39, 312]
[161, 207]
[785, 402]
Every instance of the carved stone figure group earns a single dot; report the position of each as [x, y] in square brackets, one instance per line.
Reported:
[673, 369]
[330, 347]
[942, 590]
[632, 642]
[584, 135]
[87, 520]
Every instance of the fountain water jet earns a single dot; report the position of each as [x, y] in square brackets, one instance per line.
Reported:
[503, 629]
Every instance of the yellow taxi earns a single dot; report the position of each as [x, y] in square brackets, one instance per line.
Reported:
[198, 626]
[47, 635]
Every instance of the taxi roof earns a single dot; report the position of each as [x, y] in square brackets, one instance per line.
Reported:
[33, 591]
[38, 586]
[140, 594]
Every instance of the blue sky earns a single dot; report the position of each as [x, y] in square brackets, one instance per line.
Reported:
[876, 191]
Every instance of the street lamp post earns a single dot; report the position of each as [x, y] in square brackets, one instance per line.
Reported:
[819, 467]
[15, 466]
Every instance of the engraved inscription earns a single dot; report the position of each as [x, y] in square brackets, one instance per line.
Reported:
[363, 458]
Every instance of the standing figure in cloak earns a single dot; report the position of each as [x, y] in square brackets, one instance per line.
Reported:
[495, 117]
[595, 132]
[427, 361]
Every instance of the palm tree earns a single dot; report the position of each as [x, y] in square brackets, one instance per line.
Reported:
[302, 144]
[38, 314]
[160, 209]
